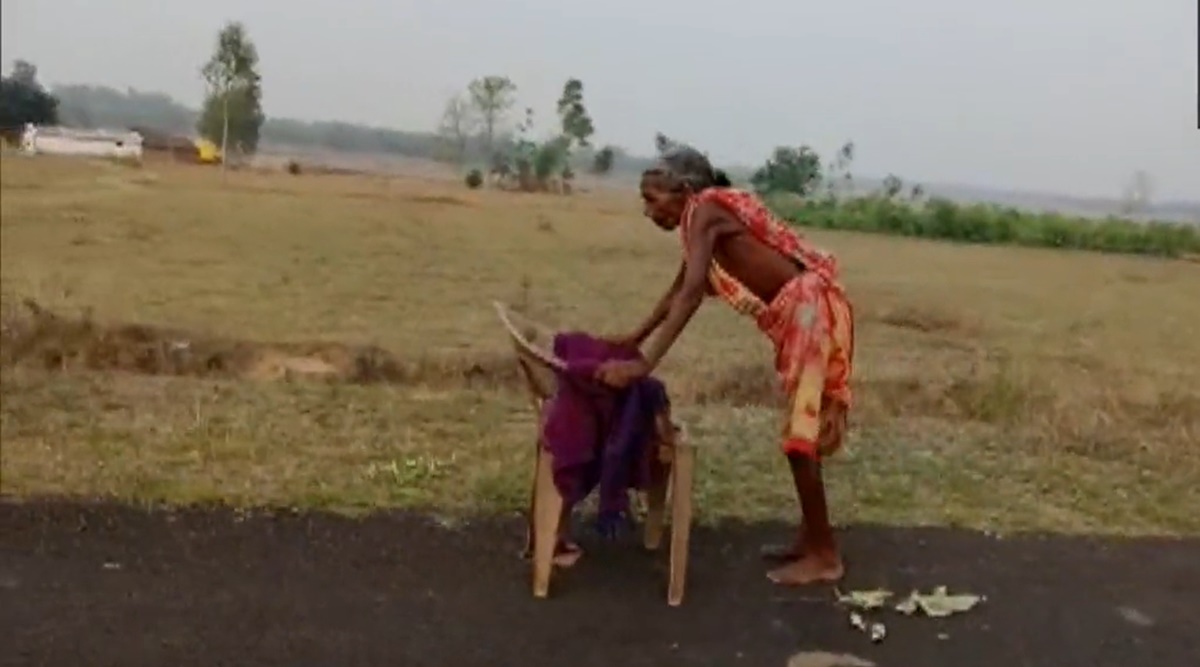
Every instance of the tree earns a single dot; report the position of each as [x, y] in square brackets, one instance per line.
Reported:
[892, 185]
[458, 123]
[232, 108]
[550, 158]
[576, 122]
[517, 159]
[235, 119]
[99, 106]
[838, 178]
[492, 96]
[25, 73]
[602, 161]
[795, 170]
[23, 100]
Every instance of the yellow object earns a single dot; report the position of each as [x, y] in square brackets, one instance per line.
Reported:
[207, 152]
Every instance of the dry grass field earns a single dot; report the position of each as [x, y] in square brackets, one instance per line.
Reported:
[328, 341]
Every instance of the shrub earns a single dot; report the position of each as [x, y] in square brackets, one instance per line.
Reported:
[293, 167]
[987, 223]
[474, 179]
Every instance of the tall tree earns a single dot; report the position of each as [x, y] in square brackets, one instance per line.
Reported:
[23, 100]
[493, 97]
[457, 125]
[577, 124]
[233, 107]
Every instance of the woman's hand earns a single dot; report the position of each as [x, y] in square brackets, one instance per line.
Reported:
[621, 374]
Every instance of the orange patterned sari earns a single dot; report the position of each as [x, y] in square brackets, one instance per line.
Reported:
[810, 321]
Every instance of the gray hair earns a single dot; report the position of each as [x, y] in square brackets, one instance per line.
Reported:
[686, 167]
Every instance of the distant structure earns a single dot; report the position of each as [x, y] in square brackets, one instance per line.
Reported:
[132, 144]
[206, 151]
[54, 140]
[177, 147]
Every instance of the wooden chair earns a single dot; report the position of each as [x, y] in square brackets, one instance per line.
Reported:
[676, 457]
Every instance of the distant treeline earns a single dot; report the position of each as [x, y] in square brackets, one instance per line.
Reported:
[100, 106]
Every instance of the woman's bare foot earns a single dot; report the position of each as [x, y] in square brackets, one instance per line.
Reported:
[567, 554]
[812, 569]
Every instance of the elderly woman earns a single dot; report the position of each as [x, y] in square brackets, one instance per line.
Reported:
[736, 249]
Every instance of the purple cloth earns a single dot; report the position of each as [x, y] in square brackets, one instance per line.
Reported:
[596, 434]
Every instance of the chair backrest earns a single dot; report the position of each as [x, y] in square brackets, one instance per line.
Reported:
[530, 340]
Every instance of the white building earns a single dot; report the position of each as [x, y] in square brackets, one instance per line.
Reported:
[67, 141]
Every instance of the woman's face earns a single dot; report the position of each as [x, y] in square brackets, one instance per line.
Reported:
[663, 206]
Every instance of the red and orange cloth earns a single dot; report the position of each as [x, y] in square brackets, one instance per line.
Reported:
[810, 321]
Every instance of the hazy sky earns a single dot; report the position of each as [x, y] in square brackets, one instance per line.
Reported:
[1058, 95]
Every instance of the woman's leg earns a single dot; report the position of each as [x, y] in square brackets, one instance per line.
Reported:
[833, 429]
[814, 426]
[820, 560]
[566, 553]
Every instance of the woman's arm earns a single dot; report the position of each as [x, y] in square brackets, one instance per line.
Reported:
[709, 222]
[681, 302]
[660, 311]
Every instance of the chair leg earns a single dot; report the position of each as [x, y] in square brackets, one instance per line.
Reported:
[547, 510]
[656, 498]
[681, 520]
[527, 552]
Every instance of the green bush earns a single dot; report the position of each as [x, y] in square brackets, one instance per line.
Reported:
[474, 179]
[992, 224]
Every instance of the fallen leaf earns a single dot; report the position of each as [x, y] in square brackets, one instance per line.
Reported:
[873, 599]
[938, 604]
[908, 605]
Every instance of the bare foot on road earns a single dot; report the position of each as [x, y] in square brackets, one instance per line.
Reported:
[809, 570]
[567, 554]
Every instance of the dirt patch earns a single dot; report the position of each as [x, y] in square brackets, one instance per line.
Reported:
[446, 200]
[43, 339]
[33, 336]
[107, 584]
[978, 388]
[926, 320]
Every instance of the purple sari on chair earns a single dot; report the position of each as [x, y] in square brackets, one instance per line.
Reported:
[597, 435]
